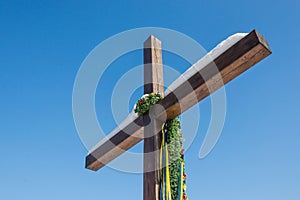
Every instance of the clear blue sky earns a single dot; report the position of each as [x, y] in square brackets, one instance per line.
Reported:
[42, 44]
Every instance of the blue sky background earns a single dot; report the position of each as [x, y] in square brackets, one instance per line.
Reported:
[42, 44]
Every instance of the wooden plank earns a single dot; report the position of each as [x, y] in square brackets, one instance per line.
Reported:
[116, 145]
[234, 61]
[153, 71]
[153, 82]
[241, 56]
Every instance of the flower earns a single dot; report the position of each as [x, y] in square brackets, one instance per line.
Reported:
[182, 151]
[184, 176]
[141, 101]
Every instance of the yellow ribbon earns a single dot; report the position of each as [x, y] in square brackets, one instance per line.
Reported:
[166, 194]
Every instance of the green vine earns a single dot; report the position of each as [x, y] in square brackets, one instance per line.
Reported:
[173, 139]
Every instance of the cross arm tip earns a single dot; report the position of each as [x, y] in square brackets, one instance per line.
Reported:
[262, 40]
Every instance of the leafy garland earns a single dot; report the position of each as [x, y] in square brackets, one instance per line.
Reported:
[176, 156]
[147, 100]
[174, 141]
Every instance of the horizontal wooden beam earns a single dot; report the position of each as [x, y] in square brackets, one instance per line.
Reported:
[235, 60]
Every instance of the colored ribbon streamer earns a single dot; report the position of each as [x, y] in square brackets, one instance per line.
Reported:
[170, 165]
[165, 188]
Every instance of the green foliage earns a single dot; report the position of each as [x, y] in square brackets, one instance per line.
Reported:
[144, 104]
[174, 141]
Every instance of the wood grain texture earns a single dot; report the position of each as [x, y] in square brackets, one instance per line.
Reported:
[241, 56]
[116, 145]
[238, 58]
[153, 71]
[153, 82]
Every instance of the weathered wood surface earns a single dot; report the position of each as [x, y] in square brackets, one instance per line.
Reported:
[153, 82]
[241, 56]
[238, 58]
[116, 145]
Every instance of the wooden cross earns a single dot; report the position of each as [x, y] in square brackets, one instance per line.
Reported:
[239, 57]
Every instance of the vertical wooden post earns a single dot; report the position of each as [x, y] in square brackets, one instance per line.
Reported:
[153, 82]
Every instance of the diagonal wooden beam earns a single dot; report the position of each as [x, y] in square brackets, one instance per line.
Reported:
[235, 60]
[238, 58]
